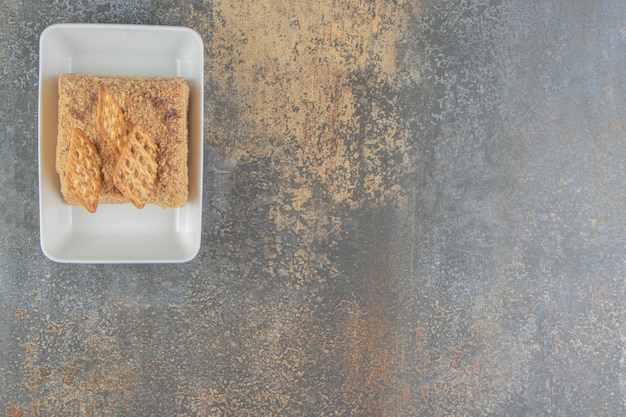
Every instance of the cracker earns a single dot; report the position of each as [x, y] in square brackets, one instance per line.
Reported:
[110, 120]
[82, 172]
[136, 170]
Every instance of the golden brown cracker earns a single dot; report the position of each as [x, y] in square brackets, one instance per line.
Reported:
[136, 170]
[82, 172]
[110, 120]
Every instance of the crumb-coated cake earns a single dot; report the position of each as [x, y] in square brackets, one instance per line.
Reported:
[159, 105]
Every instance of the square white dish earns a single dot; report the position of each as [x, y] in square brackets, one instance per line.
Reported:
[119, 233]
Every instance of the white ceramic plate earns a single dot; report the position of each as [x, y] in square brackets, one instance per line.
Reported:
[118, 233]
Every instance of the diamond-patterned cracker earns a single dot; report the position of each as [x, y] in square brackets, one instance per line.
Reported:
[110, 120]
[136, 170]
[82, 172]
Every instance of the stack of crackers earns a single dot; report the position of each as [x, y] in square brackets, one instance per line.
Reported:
[122, 139]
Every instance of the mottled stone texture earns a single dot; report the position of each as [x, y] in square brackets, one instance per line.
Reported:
[411, 208]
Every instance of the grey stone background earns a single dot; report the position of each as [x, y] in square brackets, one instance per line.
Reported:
[449, 240]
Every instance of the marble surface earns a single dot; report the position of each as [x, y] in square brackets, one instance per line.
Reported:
[410, 208]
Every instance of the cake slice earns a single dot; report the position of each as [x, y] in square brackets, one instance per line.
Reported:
[158, 104]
